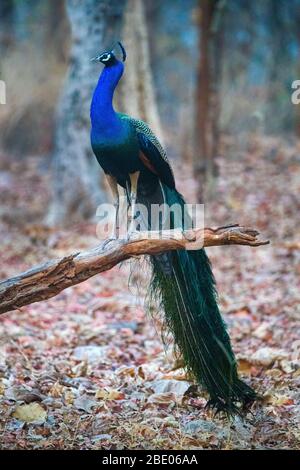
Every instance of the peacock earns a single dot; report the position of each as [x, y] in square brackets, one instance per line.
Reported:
[132, 158]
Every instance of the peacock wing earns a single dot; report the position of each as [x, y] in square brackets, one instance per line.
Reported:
[152, 153]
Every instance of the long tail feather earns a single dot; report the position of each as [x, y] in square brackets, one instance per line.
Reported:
[188, 297]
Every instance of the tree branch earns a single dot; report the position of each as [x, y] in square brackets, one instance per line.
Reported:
[47, 280]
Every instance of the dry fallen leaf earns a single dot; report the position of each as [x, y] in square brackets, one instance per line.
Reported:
[144, 430]
[80, 370]
[109, 394]
[178, 387]
[31, 413]
[125, 371]
[267, 356]
[2, 388]
[162, 398]
[69, 397]
[56, 390]
[84, 403]
[244, 366]
[90, 353]
[277, 400]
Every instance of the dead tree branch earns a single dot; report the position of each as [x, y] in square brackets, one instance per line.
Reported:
[48, 279]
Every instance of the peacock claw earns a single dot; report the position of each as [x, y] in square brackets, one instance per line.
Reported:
[189, 235]
[131, 235]
[108, 241]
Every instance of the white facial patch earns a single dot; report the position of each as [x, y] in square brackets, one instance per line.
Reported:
[105, 58]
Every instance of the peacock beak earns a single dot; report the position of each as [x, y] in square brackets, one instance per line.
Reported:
[96, 59]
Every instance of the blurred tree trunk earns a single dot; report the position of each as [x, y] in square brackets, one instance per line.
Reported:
[275, 26]
[207, 93]
[22, 15]
[56, 29]
[76, 173]
[203, 96]
[217, 33]
[279, 64]
[6, 22]
[297, 110]
[187, 129]
[137, 96]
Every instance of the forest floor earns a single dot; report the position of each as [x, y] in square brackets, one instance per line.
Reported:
[87, 369]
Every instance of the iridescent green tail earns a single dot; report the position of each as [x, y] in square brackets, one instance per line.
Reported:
[189, 300]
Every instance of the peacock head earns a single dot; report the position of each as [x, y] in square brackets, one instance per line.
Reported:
[108, 57]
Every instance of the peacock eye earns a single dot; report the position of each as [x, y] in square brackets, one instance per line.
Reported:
[105, 57]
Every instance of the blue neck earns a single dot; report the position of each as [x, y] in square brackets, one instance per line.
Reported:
[103, 114]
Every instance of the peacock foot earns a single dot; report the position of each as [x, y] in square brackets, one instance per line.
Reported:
[219, 406]
[109, 240]
[132, 235]
[189, 235]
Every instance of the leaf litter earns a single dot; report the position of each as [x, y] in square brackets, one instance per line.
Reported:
[87, 369]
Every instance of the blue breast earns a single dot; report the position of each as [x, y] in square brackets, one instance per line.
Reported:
[113, 139]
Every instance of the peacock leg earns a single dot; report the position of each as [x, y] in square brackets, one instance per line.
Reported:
[133, 193]
[115, 192]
